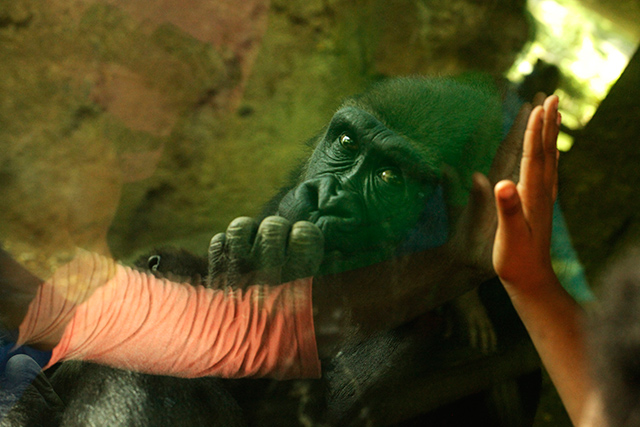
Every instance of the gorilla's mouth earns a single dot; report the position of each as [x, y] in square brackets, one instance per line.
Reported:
[342, 230]
[330, 225]
[334, 223]
[346, 235]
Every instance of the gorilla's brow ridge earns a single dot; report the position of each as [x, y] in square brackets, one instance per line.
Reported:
[407, 158]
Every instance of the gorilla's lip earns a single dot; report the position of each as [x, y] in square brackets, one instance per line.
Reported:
[331, 224]
[338, 230]
[323, 220]
[339, 233]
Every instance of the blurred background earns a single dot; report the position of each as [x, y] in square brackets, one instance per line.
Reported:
[129, 124]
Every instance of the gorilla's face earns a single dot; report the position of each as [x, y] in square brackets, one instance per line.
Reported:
[391, 165]
[364, 186]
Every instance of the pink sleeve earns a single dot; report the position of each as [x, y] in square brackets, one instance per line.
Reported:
[136, 321]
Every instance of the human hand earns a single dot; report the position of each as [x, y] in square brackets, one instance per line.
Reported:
[521, 251]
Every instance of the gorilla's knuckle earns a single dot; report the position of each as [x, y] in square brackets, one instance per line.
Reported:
[242, 220]
[243, 224]
[240, 236]
[275, 221]
[218, 240]
[274, 228]
[306, 232]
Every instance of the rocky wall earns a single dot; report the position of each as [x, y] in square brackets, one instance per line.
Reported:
[130, 124]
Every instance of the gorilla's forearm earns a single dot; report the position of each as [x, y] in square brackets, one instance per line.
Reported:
[411, 284]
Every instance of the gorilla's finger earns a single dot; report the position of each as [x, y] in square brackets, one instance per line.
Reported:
[217, 259]
[239, 242]
[304, 252]
[270, 248]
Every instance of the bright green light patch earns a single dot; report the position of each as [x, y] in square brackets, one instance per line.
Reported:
[590, 51]
[565, 142]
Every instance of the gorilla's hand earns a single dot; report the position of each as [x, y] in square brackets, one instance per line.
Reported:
[270, 253]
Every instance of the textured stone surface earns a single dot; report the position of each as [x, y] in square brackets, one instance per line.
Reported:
[601, 194]
[440, 36]
[92, 94]
[177, 116]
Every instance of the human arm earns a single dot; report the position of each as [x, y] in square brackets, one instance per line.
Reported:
[95, 309]
[521, 257]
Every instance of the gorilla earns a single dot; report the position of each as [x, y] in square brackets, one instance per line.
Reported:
[393, 174]
[406, 225]
[390, 167]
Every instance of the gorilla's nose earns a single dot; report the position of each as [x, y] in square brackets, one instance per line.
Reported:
[330, 198]
[320, 197]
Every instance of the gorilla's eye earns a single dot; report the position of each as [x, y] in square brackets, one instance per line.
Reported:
[347, 142]
[153, 262]
[391, 176]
